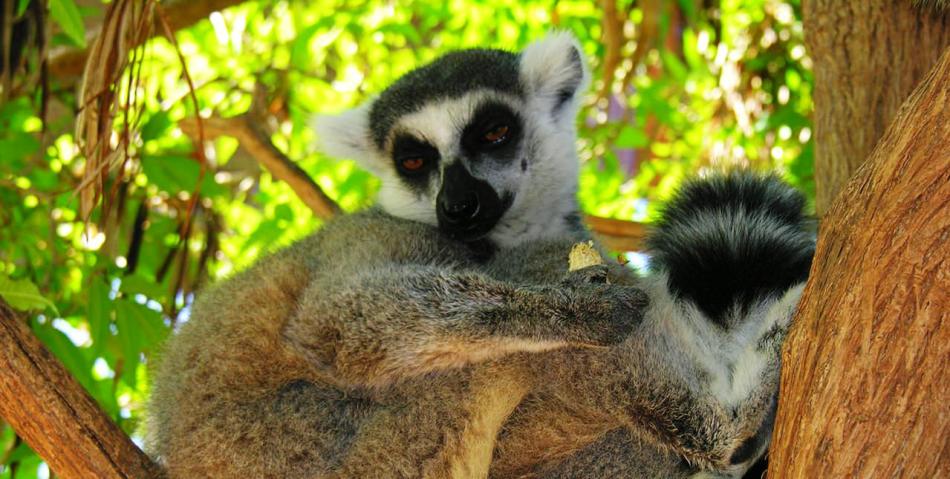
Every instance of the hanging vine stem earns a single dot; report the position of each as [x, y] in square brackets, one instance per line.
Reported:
[199, 152]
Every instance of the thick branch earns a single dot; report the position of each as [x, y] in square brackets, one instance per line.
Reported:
[617, 235]
[866, 368]
[66, 63]
[255, 141]
[54, 414]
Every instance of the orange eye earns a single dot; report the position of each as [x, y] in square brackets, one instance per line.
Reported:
[413, 164]
[496, 134]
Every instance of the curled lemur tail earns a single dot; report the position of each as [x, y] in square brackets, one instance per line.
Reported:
[730, 241]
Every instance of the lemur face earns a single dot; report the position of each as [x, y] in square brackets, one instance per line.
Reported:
[478, 142]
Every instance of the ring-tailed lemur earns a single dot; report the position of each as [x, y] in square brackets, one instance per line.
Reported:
[396, 342]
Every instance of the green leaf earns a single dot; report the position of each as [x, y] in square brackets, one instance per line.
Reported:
[631, 137]
[138, 284]
[156, 126]
[300, 53]
[21, 452]
[21, 7]
[18, 145]
[674, 66]
[139, 330]
[171, 173]
[100, 310]
[68, 353]
[68, 17]
[22, 294]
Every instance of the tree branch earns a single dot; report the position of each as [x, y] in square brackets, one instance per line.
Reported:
[52, 412]
[66, 63]
[617, 235]
[251, 136]
[865, 369]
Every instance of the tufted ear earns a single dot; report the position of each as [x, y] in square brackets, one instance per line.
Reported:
[553, 70]
[347, 135]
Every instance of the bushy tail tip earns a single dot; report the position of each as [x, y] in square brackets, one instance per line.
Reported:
[729, 241]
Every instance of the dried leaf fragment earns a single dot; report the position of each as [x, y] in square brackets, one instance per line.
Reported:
[583, 255]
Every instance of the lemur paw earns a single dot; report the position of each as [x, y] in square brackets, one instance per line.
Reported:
[750, 449]
[596, 274]
[607, 312]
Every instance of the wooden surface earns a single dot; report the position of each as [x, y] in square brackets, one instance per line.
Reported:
[866, 368]
[55, 415]
[868, 56]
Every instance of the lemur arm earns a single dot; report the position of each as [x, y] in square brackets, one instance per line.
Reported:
[399, 321]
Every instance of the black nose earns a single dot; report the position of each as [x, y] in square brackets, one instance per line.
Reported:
[459, 209]
[467, 208]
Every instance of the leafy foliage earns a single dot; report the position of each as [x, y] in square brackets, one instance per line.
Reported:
[690, 86]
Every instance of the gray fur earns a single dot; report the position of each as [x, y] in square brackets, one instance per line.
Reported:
[319, 360]
[379, 347]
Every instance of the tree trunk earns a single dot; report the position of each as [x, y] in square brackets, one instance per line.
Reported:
[865, 369]
[868, 56]
[51, 411]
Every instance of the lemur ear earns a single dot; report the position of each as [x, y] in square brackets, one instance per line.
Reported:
[553, 70]
[347, 135]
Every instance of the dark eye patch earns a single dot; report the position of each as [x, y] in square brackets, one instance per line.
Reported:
[414, 159]
[493, 128]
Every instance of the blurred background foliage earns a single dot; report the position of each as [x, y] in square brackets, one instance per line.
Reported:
[679, 87]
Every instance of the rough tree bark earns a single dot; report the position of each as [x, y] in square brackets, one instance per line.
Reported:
[868, 56]
[51, 411]
[865, 369]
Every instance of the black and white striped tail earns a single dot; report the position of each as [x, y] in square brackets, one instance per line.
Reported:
[730, 241]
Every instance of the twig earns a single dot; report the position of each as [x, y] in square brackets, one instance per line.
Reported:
[202, 161]
[618, 235]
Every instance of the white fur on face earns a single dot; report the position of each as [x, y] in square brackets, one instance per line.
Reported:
[548, 68]
[544, 193]
[440, 124]
[402, 202]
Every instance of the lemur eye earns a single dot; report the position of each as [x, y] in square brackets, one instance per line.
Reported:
[412, 164]
[496, 134]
